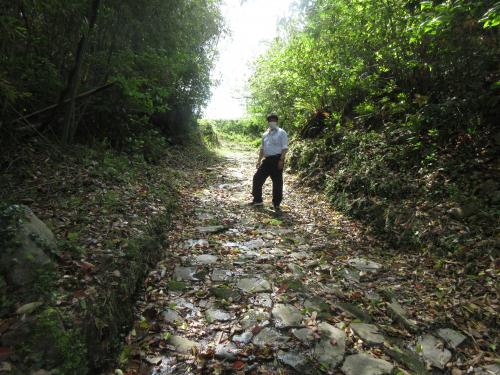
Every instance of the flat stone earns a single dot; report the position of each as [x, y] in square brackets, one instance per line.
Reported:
[269, 337]
[400, 315]
[365, 265]
[213, 315]
[205, 259]
[171, 316]
[225, 293]
[286, 316]
[244, 338]
[196, 243]
[306, 335]
[493, 369]
[262, 299]
[227, 351]
[364, 364]
[220, 275]
[319, 305]
[373, 296]
[254, 244]
[351, 276]
[254, 317]
[184, 273]
[354, 311]
[299, 255]
[408, 359]
[182, 344]
[369, 333]
[295, 360]
[330, 350]
[296, 269]
[432, 351]
[254, 285]
[451, 337]
[212, 229]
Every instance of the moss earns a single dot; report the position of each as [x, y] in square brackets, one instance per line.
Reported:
[53, 345]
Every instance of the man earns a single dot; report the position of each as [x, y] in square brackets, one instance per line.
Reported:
[273, 150]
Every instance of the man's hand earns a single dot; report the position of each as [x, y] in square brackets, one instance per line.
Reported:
[281, 163]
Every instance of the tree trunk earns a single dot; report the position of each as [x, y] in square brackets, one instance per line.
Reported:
[69, 127]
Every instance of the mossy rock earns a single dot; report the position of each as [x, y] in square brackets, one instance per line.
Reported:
[26, 246]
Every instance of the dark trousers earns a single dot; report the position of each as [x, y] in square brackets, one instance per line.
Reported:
[269, 168]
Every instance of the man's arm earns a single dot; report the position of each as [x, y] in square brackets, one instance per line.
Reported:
[284, 149]
[261, 156]
[281, 163]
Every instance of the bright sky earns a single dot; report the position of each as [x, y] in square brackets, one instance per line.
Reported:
[252, 24]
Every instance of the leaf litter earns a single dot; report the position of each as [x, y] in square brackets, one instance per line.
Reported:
[346, 276]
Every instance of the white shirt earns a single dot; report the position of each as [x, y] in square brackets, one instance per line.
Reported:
[274, 142]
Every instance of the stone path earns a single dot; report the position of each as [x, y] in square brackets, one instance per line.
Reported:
[247, 290]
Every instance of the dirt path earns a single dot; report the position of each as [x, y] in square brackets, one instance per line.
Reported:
[244, 290]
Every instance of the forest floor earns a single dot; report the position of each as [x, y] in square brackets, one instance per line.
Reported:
[307, 290]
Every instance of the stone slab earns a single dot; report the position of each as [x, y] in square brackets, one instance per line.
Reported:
[364, 364]
[254, 285]
[269, 337]
[369, 333]
[286, 316]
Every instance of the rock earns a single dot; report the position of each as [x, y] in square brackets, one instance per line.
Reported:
[408, 359]
[26, 245]
[184, 273]
[365, 265]
[182, 344]
[254, 285]
[196, 243]
[451, 337]
[171, 316]
[296, 270]
[244, 338]
[373, 296]
[262, 299]
[306, 335]
[351, 276]
[364, 364]
[212, 229]
[369, 333]
[433, 352]
[493, 369]
[205, 259]
[399, 314]
[220, 275]
[217, 315]
[227, 351]
[28, 308]
[254, 317]
[465, 210]
[254, 244]
[330, 350]
[299, 255]
[152, 360]
[225, 293]
[294, 285]
[269, 337]
[319, 305]
[295, 360]
[354, 311]
[286, 316]
[496, 138]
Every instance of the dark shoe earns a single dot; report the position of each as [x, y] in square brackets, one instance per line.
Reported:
[256, 204]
